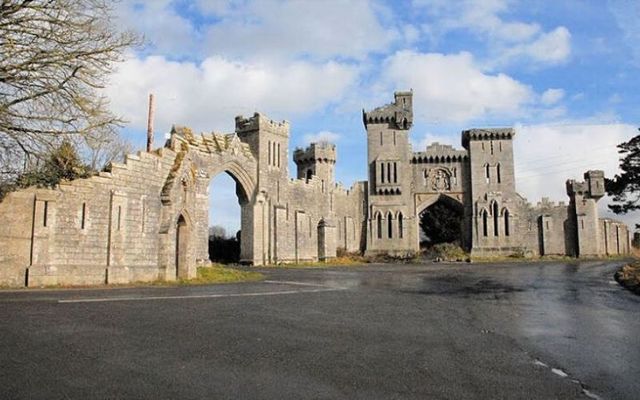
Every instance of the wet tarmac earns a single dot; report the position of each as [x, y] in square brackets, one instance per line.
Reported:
[460, 331]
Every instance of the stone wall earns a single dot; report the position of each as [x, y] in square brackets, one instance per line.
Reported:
[147, 218]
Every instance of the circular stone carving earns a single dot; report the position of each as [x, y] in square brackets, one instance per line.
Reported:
[440, 179]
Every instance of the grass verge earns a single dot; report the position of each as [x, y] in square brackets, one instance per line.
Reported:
[344, 261]
[629, 277]
[218, 273]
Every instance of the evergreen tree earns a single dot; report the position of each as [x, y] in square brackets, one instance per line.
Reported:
[625, 187]
[441, 224]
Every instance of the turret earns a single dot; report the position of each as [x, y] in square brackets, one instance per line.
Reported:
[318, 159]
[267, 139]
[583, 197]
[397, 115]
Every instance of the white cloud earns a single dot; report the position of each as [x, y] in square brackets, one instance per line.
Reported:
[549, 48]
[208, 95]
[627, 15]
[322, 136]
[552, 96]
[547, 155]
[452, 88]
[320, 29]
[508, 41]
[163, 29]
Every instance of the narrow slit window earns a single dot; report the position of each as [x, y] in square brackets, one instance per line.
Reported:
[487, 173]
[380, 138]
[379, 226]
[498, 178]
[484, 223]
[395, 172]
[269, 153]
[45, 213]
[506, 223]
[119, 216]
[143, 214]
[274, 154]
[382, 172]
[389, 172]
[495, 219]
[491, 143]
[83, 215]
[390, 225]
[400, 227]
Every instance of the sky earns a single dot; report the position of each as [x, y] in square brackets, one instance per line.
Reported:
[564, 74]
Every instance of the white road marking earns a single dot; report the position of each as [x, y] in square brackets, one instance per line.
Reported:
[559, 372]
[195, 296]
[300, 284]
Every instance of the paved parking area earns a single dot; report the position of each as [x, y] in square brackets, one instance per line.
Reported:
[518, 331]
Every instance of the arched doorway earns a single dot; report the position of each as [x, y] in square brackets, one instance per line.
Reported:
[226, 200]
[441, 220]
[182, 247]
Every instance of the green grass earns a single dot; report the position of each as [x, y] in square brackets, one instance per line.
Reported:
[345, 261]
[218, 273]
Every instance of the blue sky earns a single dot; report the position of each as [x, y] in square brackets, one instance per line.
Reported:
[564, 74]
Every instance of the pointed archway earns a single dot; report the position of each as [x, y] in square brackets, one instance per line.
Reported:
[183, 235]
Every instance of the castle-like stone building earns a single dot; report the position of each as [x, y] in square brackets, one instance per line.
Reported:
[147, 218]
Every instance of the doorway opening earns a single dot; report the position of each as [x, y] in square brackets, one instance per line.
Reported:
[226, 198]
[442, 223]
[182, 251]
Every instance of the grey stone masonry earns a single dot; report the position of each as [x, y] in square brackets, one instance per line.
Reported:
[147, 218]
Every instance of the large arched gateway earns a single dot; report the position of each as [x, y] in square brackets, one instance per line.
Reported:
[147, 218]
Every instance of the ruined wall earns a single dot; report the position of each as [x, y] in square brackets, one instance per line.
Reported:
[89, 231]
[616, 238]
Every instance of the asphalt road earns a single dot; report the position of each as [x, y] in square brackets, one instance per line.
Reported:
[518, 331]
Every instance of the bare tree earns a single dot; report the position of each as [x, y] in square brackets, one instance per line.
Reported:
[217, 231]
[103, 147]
[55, 56]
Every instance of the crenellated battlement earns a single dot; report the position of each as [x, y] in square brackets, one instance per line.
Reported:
[260, 122]
[322, 152]
[439, 153]
[592, 187]
[486, 134]
[396, 115]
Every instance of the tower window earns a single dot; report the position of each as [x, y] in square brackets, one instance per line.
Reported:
[484, 223]
[379, 226]
[495, 219]
[506, 222]
[400, 227]
[498, 173]
[46, 211]
[382, 172]
[380, 138]
[389, 172]
[491, 147]
[390, 225]
[395, 172]
[487, 172]
[269, 153]
[83, 215]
